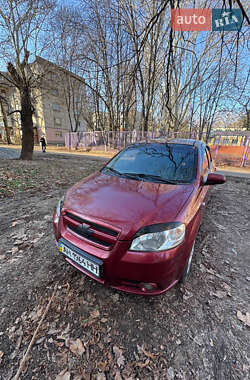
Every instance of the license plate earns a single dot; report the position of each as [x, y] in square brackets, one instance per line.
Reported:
[81, 259]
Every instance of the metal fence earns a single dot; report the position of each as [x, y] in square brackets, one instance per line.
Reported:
[113, 140]
[228, 147]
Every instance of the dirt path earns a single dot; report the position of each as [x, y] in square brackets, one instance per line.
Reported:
[91, 332]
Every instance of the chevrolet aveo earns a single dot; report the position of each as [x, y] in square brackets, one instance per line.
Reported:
[132, 225]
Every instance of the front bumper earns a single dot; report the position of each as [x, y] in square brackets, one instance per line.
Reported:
[147, 273]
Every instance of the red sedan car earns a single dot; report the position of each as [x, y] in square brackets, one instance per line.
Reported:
[132, 225]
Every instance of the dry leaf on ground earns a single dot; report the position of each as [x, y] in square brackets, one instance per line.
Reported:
[219, 294]
[95, 314]
[142, 365]
[244, 318]
[63, 375]
[101, 376]
[119, 356]
[76, 347]
[1, 355]
[118, 376]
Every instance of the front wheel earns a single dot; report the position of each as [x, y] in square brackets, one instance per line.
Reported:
[186, 272]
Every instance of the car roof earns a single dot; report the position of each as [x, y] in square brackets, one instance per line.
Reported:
[186, 141]
[192, 142]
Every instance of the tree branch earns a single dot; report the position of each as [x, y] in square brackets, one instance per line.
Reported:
[10, 113]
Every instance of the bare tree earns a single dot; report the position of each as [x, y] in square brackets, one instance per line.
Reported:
[134, 65]
[21, 25]
[3, 106]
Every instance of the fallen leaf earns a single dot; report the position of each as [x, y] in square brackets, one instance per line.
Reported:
[13, 224]
[19, 341]
[118, 376]
[76, 347]
[40, 340]
[219, 294]
[120, 361]
[244, 318]
[95, 314]
[102, 365]
[36, 314]
[150, 355]
[142, 365]
[101, 376]
[63, 375]
[53, 332]
[1, 355]
[119, 356]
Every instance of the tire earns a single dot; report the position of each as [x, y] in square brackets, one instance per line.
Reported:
[187, 269]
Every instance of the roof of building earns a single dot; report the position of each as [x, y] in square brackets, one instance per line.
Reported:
[45, 61]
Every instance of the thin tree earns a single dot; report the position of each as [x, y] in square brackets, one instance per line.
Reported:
[22, 23]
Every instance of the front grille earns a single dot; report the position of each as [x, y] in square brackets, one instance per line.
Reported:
[93, 232]
[97, 227]
[89, 237]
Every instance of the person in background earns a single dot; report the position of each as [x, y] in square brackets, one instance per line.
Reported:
[43, 142]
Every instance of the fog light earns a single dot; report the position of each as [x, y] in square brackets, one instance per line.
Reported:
[148, 286]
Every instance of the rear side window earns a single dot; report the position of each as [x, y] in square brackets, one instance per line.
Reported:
[206, 161]
[209, 157]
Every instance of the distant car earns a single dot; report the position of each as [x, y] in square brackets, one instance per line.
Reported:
[132, 225]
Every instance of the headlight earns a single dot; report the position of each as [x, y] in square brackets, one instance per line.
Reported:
[59, 208]
[169, 236]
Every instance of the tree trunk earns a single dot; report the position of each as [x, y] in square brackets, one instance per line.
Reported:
[248, 119]
[5, 122]
[27, 126]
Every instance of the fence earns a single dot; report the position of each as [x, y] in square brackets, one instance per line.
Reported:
[227, 147]
[231, 148]
[113, 140]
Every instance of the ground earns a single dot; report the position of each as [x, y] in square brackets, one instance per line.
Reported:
[199, 330]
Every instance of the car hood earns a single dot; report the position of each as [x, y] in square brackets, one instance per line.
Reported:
[124, 203]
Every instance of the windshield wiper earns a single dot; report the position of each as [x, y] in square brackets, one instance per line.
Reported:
[149, 176]
[112, 170]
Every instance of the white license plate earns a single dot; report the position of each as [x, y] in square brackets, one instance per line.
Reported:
[89, 265]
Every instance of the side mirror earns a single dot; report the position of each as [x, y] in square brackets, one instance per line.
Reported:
[214, 179]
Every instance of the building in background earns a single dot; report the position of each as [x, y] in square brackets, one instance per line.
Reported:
[9, 123]
[59, 101]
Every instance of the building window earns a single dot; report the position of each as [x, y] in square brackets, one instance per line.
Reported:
[54, 91]
[58, 134]
[53, 76]
[55, 107]
[58, 121]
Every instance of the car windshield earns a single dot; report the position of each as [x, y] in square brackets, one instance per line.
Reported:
[169, 163]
